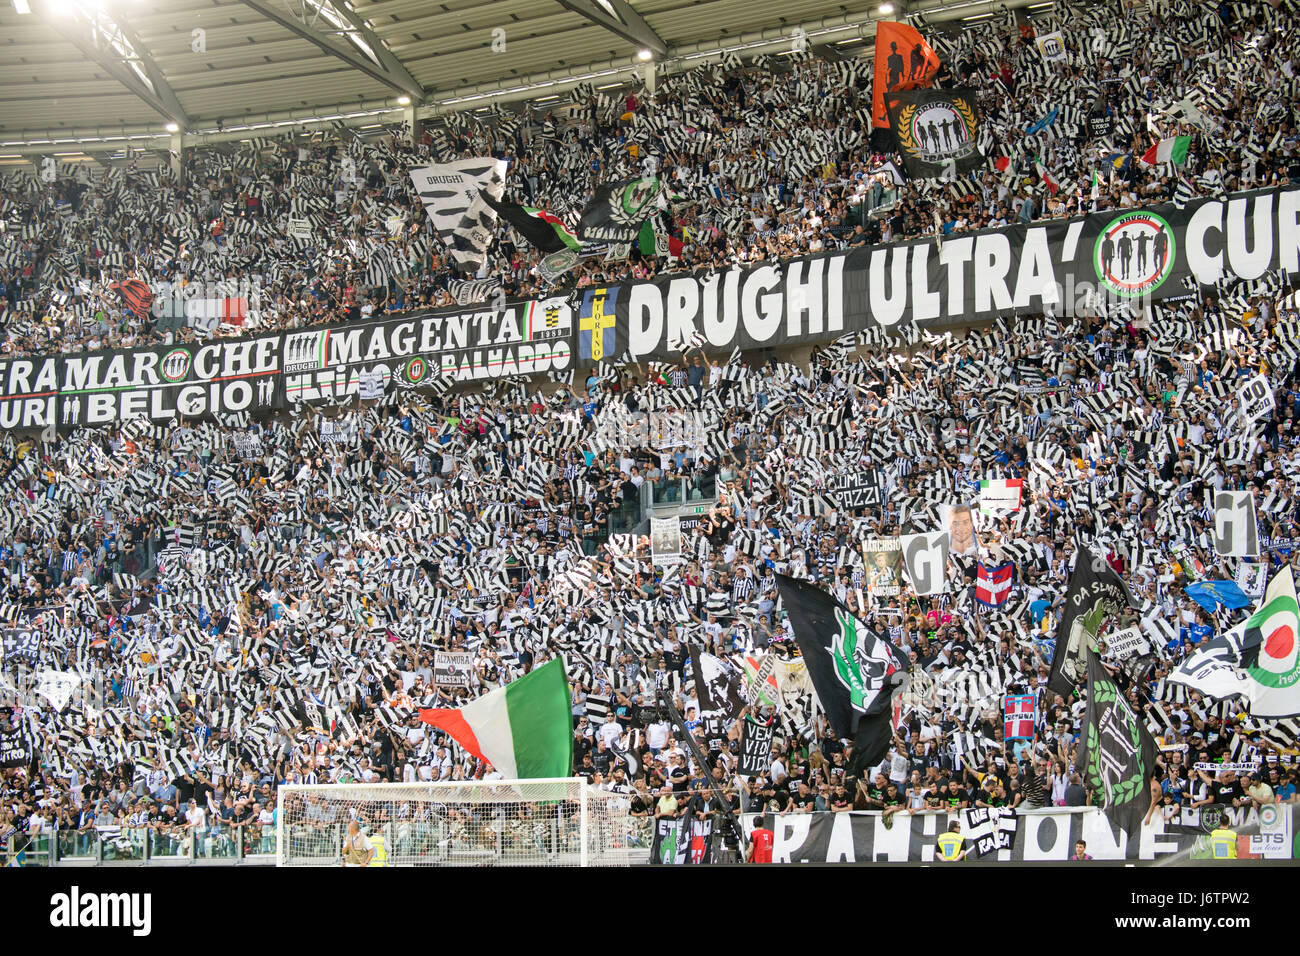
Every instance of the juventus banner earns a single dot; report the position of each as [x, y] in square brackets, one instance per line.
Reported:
[1236, 531]
[936, 132]
[325, 365]
[1094, 595]
[1129, 257]
[1030, 835]
[1256, 398]
[1101, 261]
[453, 669]
[1116, 753]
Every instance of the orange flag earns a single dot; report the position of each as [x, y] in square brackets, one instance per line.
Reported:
[904, 61]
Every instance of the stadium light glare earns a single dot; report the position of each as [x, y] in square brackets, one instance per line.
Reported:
[403, 100]
[173, 127]
[22, 7]
[886, 8]
[643, 55]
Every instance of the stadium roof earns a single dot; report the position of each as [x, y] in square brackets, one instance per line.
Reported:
[97, 73]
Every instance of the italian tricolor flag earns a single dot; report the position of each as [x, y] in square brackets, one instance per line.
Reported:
[1170, 150]
[1000, 495]
[654, 242]
[1050, 181]
[525, 729]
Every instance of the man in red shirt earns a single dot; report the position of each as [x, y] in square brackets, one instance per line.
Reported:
[760, 843]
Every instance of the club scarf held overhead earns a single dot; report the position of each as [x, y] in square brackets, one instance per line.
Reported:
[524, 729]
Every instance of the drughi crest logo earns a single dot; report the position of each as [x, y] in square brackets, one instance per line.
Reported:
[938, 131]
[861, 671]
[1134, 254]
[634, 198]
[175, 365]
[415, 371]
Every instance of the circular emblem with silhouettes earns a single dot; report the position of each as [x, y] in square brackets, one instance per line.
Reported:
[1134, 254]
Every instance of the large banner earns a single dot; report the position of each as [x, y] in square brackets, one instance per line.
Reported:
[1066, 266]
[259, 375]
[1128, 256]
[1046, 835]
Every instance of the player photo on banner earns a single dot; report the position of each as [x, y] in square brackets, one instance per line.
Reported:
[883, 561]
[958, 521]
[666, 541]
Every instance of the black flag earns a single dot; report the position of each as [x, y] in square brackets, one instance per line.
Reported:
[717, 686]
[852, 670]
[1116, 753]
[617, 210]
[755, 748]
[544, 231]
[1095, 593]
[936, 132]
[15, 748]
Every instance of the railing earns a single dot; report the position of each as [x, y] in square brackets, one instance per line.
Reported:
[681, 490]
[441, 841]
[252, 844]
[876, 200]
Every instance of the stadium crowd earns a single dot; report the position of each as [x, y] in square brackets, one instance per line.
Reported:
[248, 607]
[771, 159]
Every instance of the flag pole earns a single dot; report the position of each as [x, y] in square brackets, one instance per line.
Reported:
[666, 703]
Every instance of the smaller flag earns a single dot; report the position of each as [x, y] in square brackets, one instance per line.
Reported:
[136, 295]
[1172, 149]
[993, 585]
[1210, 594]
[653, 241]
[1048, 179]
[1018, 716]
[1042, 124]
[1000, 495]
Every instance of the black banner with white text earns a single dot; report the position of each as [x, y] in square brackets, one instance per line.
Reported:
[1065, 266]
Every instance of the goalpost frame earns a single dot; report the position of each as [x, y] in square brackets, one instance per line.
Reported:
[424, 790]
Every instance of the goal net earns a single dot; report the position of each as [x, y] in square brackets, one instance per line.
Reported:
[550, 822]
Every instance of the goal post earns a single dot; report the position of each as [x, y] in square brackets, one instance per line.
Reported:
[557, 821]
